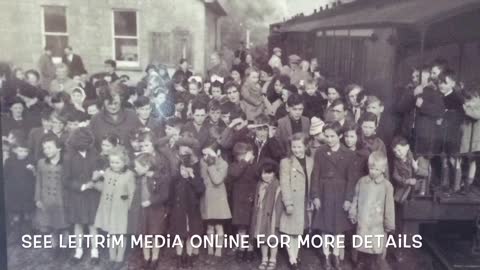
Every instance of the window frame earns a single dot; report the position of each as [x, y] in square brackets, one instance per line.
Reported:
[45, 33]
[126, 64]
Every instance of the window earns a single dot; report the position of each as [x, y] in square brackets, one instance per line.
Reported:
[54, 28]
[125, 38]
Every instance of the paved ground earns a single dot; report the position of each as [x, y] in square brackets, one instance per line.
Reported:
[43, 259]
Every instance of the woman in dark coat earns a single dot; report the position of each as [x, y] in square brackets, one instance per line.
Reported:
[15, 119]
[186, 190]
[81, 203]
[332, 188]
[113, 119]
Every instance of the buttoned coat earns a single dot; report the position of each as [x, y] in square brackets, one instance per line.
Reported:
[373, 208]
[112, 214]
[81, 206]
[49, 191]
[294, 185]
[333, 183]
[214, 203]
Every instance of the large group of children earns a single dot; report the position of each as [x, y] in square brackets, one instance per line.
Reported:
[252, 149]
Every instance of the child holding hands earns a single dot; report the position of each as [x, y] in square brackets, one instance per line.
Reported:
[117, 190]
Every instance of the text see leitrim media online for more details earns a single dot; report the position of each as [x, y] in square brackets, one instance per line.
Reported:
[229, 241]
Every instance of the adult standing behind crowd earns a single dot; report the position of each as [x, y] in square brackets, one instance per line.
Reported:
[114, 118]
[74, 63]
[217, 67]
[182, 70]
[61, 83]
[46, 68]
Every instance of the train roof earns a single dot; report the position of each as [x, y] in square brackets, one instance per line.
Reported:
[413, 14]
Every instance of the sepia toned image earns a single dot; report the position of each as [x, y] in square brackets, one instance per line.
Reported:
[240, 134]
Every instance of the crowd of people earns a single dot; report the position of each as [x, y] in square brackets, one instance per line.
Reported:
[249, 148]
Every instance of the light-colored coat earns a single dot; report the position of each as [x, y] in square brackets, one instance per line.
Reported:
[293, 186]
[112, 214]
[214, 203]
[373, 209]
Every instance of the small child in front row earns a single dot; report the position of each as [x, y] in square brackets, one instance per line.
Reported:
[19, 183]
[266, 212]
[117, 190]
[373, 211]
[154, 196]
[186, 189]
[50, 213]
[409, 174]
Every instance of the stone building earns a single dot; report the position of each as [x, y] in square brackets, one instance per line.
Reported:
[132, 32]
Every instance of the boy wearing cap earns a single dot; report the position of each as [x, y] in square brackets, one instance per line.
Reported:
[316, 132]
[265, 145]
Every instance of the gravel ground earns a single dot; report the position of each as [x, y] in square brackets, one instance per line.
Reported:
[44, 259]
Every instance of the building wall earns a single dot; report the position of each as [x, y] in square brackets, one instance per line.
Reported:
[89, 24]
[211, 32]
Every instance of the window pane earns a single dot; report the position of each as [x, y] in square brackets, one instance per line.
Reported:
[57, 43]
[126, 50]
[55, 19]
[125, 23]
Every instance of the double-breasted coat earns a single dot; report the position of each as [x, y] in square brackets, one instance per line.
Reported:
[295, 187]
[214, 202]
[333, 183]
[50, 193]
[373, 208]
[117, 189]
[80, 206]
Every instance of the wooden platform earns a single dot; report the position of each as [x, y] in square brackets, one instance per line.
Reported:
[441, 207]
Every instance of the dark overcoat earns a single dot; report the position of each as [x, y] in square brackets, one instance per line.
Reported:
[333, 183]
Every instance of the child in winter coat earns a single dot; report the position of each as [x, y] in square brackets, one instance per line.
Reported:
[214, 203]
[266, 212]
[451, 133]
[81, 202]
[49, 194]
[154, 196]
[243, 176]
[19, 183]
[409, 174]
[117, 191]
[373, 211]
[312, 100]
[186, 190]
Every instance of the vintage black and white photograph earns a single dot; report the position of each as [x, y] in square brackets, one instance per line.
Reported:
[240, 134]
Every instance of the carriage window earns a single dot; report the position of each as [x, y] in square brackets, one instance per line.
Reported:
[125, 38]
[55, 34]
